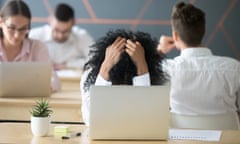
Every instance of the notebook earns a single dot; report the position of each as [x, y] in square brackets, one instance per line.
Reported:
[129, 112]
[25, 79]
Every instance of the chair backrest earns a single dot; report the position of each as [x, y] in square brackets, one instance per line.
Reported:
[225, 121]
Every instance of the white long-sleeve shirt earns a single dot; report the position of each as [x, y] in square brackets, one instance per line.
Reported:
[202, 83]
[142, 80]
[73, 52]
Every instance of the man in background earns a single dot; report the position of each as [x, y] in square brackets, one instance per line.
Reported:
[201, 83]
[67, 44]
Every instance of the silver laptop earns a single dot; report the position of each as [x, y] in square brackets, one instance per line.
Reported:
[25, 79]
[129, 112]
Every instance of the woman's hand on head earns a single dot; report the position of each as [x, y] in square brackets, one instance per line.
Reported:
[137, 54]
[112, 56]
[114, 51]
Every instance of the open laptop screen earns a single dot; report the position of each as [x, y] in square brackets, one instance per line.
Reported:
[25, 79]
[129, 112]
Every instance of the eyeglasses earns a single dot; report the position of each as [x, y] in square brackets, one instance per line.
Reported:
[12, 29]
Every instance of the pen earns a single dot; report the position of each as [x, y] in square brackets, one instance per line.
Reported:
[72, 135]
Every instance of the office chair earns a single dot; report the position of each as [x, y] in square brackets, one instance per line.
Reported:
[225, 121]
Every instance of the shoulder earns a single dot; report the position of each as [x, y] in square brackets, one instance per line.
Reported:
[40, 28]
[85, 74]
[84, 78]
[226, 59]
[39, 32]
[36, 49]
[35, 44]
[223, 62]
[80, 31]
[230, 59]
[82, 36]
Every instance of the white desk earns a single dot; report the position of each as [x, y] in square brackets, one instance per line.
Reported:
[21, 133]
[66, 104]
[70, 79]
[66, 107]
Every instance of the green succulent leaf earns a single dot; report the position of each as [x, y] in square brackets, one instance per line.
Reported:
[41, 108]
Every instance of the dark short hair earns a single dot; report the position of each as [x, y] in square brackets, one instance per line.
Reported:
[13, 8]
[64, 12]
[125, 69]
[189, 22]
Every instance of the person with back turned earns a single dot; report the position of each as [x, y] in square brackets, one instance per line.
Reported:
[201, 83]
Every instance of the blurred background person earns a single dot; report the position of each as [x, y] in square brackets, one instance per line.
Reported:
[201, 83]
[15, 46]
[68, 45]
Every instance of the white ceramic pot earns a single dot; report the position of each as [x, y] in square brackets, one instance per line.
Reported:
[40, 125]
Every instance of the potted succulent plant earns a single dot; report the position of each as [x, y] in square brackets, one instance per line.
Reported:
[40, 117]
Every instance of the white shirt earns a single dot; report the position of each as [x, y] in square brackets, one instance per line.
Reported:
[74, 51]
[202, 83]
[142, 80]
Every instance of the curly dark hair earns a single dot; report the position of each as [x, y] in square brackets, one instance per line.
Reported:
[125, 69]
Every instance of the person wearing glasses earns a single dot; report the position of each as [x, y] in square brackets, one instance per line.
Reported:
[68, 45]
[15, 46]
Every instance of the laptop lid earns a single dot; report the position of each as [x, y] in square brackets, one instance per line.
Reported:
[129, 112]
[25, 79]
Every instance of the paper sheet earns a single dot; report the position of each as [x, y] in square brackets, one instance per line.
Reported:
[69, 73]
[186, 134]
